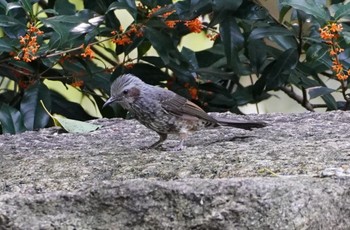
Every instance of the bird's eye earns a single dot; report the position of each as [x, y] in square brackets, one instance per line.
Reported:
[125, 92]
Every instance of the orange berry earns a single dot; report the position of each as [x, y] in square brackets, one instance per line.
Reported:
[332, 52]
[194, 25]
[171, 24]
[78, 83]
[88, 53]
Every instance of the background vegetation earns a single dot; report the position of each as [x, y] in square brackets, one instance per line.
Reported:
[303, 52]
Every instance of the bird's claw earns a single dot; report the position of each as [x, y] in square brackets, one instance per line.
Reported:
[176, 148]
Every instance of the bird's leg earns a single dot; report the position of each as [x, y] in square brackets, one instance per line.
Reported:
[162, 138]
[180, 146]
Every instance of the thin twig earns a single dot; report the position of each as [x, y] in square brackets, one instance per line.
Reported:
[105, 57]
[346, 97]
[74, 49]
[252, 83]
[305, 103]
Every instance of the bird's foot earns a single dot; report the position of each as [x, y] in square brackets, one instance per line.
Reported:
[179, 147]
[161, 148]
[158, 144]
[176, 148]
[158, 147]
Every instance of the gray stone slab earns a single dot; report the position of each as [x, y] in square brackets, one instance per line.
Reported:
[293, 174]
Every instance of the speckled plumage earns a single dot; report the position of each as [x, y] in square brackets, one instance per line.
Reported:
[163, 110]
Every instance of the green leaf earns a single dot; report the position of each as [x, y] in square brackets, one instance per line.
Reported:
[12, 27]
[283, 11]
[136, 42]
[299, 78]
[5, 45]
[187, 10]
[215, 53]
[285, 42]
[23, 66]
[70, 27]
[346, 36]
[64, 7]
[60, 105]
[154, 60]
[74, 126]
[342, 11]
[143, 48]
[62, 31]
[78, 66]
[215, 89]
[312, 7]
[34, 115]
[190, 57]
[216, 96]
[159, 41]
[262, 32]
[229, 5]
[281, 69]
[214, 74]
[181, 70]
[318, 58]
[252, 12]
[330, 102]
[12, 5]
[128, 5]
[162, 43]
[7, 21]
[257, 54]
[48, 11]
[233, 41]
[277, 72]
[318, 91]
[163, 10]
[11, 120]
[70, 125]
[50, 61]
[148, 73]
[28, 5]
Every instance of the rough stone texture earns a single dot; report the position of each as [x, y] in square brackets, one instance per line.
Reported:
[293, 174]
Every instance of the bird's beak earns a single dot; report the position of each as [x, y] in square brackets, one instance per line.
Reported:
[109, 101]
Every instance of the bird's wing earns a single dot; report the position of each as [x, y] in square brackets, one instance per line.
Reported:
[182, 107]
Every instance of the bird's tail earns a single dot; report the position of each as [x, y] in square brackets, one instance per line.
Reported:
[240, 124]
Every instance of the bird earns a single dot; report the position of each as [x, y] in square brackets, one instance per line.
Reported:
[164, 111]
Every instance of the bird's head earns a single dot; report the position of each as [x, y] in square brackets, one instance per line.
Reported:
[125, 90]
